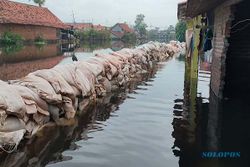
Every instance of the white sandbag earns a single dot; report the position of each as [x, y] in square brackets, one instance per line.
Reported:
[57, 82]
[96, 69]
[86, 80]
[32, 100]
[111, 69]
[68, 107]
[11, 102]
[10, 140]
[105, 63]
[40, 86]
[12, 123]
[11, 133]
[114, 60]
[31, 128]
[76, 80]
[41, 119]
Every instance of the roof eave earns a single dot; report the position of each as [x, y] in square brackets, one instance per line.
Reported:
[197, 7]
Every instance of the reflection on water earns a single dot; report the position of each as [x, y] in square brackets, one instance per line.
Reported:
[166, 118]
[49, 146]
[18, 61]
[28, 59]
[203, 123]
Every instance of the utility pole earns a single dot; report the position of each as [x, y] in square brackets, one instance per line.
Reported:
[74, 20]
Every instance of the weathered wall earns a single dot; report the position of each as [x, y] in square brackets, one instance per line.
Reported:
[30, 32]
[237, 81]
[222, 25]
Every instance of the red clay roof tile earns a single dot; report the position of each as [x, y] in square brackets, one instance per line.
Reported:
[80, 26]
[20, 13]
[125, 27]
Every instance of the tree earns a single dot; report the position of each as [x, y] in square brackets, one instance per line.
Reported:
[180, 31]
[140, 25]
[39, 2]
[129, 37]
[170, 33]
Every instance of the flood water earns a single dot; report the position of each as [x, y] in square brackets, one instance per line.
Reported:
[18, 61]
[165, 118]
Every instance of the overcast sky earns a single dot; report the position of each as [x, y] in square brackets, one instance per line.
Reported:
[158, 13]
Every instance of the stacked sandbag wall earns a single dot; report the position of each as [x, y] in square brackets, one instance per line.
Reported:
[48, 95]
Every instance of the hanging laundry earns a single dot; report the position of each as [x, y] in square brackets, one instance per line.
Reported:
[208, 40]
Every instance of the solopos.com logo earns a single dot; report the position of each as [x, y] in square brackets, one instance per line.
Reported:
[220, 154]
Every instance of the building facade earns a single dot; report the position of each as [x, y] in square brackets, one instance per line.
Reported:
[229, 21]
[119, 30]
[28, 21]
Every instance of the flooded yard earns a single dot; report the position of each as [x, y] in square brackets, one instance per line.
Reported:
[164, 118]
[134, 132]
[18, 61]
[126, 128]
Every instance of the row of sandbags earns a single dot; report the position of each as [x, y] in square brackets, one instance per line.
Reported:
[28, 103]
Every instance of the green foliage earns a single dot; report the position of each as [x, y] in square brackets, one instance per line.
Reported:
[91, 35]
[170, 33]
[140, 26]
[162, 35]
[11, 49]
[129, 37]
[9, 38]
[180, 30]
[91, 46]
[39, 40]
[39, 2]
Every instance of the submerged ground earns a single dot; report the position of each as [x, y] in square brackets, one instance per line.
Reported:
[159, 120]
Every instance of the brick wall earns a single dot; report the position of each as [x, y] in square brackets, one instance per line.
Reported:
[30, 32]
[237, 81]
[222, 23]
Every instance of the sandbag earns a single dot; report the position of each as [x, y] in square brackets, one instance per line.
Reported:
[32, 100]
[10, 140]
[114, 60]
[11, 133]
[68, 107]
[53, 94]
[11, 102]
[12, 123]
[96, 69]
[87, 88]
[78, 82]
[105, 63]
[110, 69]
[56, 81]
[40, 86]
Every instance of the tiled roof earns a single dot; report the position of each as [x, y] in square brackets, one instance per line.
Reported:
[125, 27]
[80, 26]
[196, 7]
[118, 34]
[20, 13]
[99, 27]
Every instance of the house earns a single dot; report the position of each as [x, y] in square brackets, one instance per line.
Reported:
[100, 27]
[80, 26]
[119, 30]
[86, 26]
[29, 21]
[230, 24]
